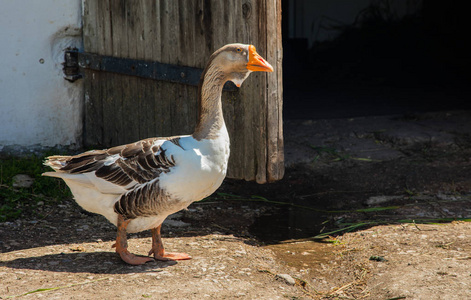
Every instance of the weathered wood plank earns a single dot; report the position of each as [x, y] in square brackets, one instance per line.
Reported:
[187, 46]
[93, 130]
[275, 162]
[176, 56]
[255, 103]
[137, 51]
[105, 46]
[144, 51]
[260, 140]
[113, 127]
[155, 90]
[128, 48]
[166, 33]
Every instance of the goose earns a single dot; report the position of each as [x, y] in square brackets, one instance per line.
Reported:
[136, 186]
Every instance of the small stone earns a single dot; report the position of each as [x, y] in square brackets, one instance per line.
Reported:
[287, 278]
[375, 200]
[378, 258]
[13, 243]
[22, 181]
[77, 249]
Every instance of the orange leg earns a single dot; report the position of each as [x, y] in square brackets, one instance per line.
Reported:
[122, 245]
[158, 248]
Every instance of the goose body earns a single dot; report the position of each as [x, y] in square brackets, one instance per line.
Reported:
[191, 170]
[136, 186]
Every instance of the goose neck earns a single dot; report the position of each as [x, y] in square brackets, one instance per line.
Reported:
[210, 116]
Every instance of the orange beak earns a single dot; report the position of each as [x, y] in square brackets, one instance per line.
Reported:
[256, 62]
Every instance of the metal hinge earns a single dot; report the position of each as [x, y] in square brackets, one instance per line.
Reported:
[71, 67]
[75, 60]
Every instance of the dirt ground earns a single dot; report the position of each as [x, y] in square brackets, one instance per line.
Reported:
[403, 184]
[75, 260]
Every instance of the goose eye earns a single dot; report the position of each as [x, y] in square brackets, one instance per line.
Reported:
[238, 50]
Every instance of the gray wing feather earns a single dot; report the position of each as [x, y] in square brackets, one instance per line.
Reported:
[141, 162]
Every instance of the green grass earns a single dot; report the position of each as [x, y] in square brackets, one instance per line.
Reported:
[16, 202]
[347, 227]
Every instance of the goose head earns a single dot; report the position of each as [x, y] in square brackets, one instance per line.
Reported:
[233, 62]
[237, 61]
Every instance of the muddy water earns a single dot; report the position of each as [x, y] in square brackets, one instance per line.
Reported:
[288, 233]
[303, 255]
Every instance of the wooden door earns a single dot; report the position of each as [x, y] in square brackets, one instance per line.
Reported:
[121, 109]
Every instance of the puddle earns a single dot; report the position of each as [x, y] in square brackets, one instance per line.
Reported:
[304, 255]
[283, 232]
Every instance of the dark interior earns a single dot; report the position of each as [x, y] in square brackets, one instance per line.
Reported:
[380, 65]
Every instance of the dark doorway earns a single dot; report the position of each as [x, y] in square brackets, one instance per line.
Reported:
[387, 57]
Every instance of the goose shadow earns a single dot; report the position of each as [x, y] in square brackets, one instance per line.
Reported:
[75, 226]
[94, 263]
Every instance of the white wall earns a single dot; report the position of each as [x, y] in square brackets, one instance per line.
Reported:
[37, 106]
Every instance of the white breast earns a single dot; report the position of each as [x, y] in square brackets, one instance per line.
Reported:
[199, 170]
